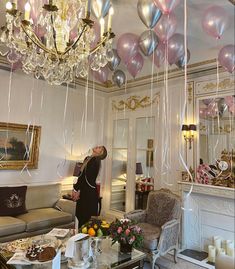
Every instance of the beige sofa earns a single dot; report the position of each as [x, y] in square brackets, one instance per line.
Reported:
[46, 210]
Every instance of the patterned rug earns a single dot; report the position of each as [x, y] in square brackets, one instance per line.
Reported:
[168, 263]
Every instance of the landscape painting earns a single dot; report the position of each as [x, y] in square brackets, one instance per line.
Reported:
[19, 145]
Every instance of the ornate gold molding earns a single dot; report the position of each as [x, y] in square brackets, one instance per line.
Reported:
[135, 102]
[227, 83]
[190, 92]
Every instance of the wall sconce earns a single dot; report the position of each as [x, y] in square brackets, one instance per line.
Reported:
[188, 133]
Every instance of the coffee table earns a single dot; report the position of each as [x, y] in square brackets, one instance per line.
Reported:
[109, 257]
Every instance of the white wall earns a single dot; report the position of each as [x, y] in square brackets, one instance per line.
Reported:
[81, 131]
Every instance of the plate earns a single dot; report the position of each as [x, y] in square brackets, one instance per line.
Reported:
[61, 233]
[16, 245]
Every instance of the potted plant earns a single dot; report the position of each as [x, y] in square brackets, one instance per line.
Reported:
[126, 233]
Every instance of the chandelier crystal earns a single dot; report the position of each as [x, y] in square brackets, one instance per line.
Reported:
[57, 44]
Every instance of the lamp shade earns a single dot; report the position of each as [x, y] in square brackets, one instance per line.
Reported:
[185, 127]
[138, 169]
[192, 127]
[77, 169]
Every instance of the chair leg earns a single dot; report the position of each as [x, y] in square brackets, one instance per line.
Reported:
[176, 255]
[153, 261]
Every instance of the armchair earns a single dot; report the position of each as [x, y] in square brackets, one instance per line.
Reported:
[160, 223]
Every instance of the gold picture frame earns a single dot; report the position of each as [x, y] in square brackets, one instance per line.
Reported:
[19, 146]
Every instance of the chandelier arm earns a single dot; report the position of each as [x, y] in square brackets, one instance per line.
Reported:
[75, 42]
[37, 42]
[54, 35]
[98, 45]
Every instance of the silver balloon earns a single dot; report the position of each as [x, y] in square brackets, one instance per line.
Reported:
[148, 12]
[182, 60]
[114, 63]
[148, 42]
[222, 106]
[119, 78]
[100, 8]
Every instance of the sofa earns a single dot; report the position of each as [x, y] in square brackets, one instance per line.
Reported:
[44, 210]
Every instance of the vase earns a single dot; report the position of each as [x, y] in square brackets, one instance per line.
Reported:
[125, 248]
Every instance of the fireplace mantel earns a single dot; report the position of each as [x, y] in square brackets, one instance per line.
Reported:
[208, 211]
[208, 189]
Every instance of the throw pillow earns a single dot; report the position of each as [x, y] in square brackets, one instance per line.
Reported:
[12, 201]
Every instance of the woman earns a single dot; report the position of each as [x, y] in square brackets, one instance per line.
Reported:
[85, 190]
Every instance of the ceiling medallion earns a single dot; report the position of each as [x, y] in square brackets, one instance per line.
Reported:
[58, 42]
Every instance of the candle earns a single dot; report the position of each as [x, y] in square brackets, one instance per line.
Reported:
[27, 11]
[223, 245]
[221, 251]
[230, 248]
[217, 242]
[101, 27]
[228, 244]
[15, 3]
[111, 12]
[211, 253]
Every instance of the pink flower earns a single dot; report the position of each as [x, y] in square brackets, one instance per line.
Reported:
[132, 239]
[119, 230]
[127, 231]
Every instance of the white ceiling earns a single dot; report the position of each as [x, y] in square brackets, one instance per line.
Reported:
[201, 46]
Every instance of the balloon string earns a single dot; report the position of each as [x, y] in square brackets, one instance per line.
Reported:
[64, 117]
[86, 103]
[124, 108]
[185, 103]
[151, 87]
[93, 97]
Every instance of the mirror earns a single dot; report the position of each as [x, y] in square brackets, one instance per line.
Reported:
[217, 136]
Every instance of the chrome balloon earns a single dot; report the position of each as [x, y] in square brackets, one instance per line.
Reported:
[148, 42]
[182, 60]
[119, 78]
[148, 12]
[100, 8]
[114, 63]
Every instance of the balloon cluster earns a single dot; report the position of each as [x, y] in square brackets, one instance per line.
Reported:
[217, 108]
[214, 22]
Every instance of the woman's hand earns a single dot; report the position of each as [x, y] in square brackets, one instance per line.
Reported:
[75, 195]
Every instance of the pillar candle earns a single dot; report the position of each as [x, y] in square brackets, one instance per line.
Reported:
[217, 242]
[211, 253]
[229, 244]
[221, 251]
[230, 249]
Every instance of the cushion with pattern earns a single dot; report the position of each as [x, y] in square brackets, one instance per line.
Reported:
[12, 201]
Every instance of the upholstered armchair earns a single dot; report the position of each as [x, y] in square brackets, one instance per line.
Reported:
[160, 223]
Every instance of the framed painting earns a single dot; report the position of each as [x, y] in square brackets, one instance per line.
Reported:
[19, 146]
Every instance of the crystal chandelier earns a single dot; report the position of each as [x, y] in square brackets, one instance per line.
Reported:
[58, 45]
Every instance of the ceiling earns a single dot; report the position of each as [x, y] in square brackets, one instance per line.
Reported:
[201, 45]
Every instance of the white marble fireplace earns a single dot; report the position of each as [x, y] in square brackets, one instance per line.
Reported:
[208, 211]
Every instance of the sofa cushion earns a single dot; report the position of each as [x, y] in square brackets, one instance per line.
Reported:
[151, 234]
[42, 196]
[37, 219]
[10, 225]
[12, 200]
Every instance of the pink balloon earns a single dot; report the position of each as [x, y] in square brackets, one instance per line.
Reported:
[96, 28]
[212, 110]
[207, 101]
[135, 64]
[229, 100]
[40, 31]
[127, 46]
[159, 55]
[73, 33]
[166, 6]
[232, 110]
[166, 27]
[215, 21]
[175, 48]
[102, 74]
[227, 57]
[17, 65]
[203, 112]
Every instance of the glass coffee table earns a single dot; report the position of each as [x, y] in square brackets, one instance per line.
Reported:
[107, 257]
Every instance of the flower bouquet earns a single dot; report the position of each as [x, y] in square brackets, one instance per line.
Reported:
[127, 233]
[95, 228]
